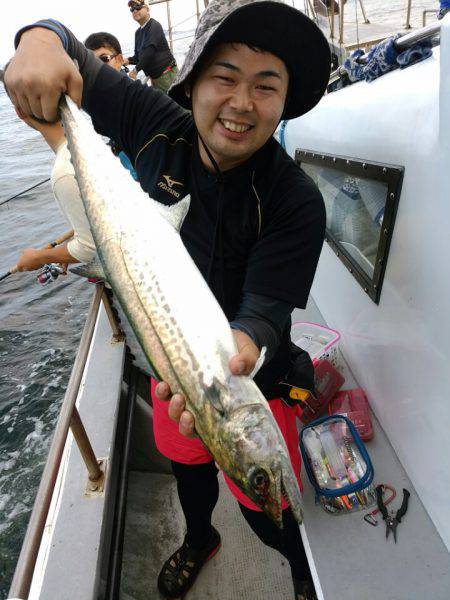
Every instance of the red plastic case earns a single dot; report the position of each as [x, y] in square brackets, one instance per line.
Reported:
[354, 405]
[327, 381]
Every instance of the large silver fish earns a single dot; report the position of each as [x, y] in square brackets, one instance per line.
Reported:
[179, 324]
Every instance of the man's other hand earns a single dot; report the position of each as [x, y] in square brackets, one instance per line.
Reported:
[39, 73]
[241, 363]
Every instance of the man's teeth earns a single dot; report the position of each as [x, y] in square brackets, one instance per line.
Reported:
[236, 127]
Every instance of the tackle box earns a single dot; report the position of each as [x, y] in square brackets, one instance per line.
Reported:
[327, 381]
[338, 465]
[320, 342]
[354, 405]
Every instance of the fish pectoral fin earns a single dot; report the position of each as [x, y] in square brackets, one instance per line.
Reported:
[93, 268]
[213, 393]
[259, 362]
[176, 213]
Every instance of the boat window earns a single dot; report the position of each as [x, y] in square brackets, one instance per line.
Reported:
[361, 199]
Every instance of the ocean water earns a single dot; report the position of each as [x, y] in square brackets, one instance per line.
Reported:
[40, 326]
[39, 331]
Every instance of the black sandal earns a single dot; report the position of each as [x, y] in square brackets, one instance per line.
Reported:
[304, 590]
[181, 569]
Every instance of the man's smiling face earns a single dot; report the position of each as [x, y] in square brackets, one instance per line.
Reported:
[237, 102]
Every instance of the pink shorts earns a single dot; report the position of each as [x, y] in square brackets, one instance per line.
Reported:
[191, 451]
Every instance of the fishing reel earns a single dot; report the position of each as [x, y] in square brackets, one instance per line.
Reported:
[50, 273]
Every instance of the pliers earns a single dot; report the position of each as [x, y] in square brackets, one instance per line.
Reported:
[370, 517]
[391, 521]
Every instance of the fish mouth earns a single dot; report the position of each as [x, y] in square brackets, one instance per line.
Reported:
[272, 488]
[273, 509]
[273, 506]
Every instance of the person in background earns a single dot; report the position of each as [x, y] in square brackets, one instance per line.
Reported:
[151, 50]
[64, 185]
[108, 49]
[81, 247]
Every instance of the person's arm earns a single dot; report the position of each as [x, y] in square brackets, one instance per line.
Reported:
[263, 319]
[32, 259]
[67, 195]
[146, 59]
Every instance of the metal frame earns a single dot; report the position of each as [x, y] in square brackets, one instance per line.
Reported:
[425, 13]
[392, 175]
[125, 421]
[68, 417]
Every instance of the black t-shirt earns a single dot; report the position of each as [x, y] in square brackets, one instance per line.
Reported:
[151, 50]
[273, 214]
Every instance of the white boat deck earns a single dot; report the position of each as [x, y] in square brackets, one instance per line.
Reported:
[349, 558]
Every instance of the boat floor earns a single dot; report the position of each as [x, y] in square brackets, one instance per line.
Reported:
[348, 558]
[244, 568]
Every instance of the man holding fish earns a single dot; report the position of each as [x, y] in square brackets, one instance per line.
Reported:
[254, 228]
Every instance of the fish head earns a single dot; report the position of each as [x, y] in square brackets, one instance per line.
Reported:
[260, 465]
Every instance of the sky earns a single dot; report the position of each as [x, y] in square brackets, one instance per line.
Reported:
[87, 16]
[83, 17]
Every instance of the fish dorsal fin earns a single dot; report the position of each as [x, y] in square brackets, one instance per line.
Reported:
[93, 268]
[176, 213]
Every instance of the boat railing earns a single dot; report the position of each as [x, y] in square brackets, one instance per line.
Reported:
[425, 14]
[319, 10]
[68, 418]
[402, 43]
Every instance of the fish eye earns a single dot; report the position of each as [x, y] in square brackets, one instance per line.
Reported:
[259, 480]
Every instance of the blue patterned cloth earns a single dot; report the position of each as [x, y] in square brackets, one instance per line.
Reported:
[415, 54]
[384, 57]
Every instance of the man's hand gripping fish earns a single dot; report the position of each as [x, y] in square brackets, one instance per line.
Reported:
[178, 322]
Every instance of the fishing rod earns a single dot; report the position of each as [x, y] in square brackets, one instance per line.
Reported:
[24, 192]
[57, 242]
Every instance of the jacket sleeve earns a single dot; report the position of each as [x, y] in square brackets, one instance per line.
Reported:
[67, 195]
[263, 319]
